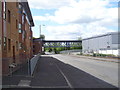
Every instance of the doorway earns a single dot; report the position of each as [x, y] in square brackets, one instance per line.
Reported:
[13, 54]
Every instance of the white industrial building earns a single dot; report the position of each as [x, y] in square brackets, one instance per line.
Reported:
[104, 44]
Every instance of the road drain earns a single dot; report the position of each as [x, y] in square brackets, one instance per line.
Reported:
[24, 83]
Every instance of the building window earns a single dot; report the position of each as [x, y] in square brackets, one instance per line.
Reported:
[0, 44]
[9, 16]
[16, 24]
[29, 37]
[20, 31]
[4, 9]
[20, 26]
[20, 6]
[17, 45]
[33, 46]
[16, 4]
[5, 43]
[0, 41]
[9, 44]
[20, 45]
[33, 50]
[23, 18]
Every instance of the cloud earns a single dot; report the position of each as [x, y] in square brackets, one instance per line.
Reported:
[84, 18]
[85, 11]
[72, 32]
[49, 4]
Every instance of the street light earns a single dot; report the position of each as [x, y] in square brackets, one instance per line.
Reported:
[40, 28]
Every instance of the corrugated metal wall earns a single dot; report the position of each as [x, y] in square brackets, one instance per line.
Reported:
[105, 42]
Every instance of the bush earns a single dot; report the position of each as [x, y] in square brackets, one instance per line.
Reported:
[94, 54]
[102, 55]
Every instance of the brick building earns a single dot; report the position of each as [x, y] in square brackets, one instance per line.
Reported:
[37, 46]
[25, 32]
[16, 34]
[0, 36]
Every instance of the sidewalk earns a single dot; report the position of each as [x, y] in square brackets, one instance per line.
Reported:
[47, 75]
[97, 58]
[14, 79]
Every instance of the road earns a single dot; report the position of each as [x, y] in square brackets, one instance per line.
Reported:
[106, 71]
[66, 71]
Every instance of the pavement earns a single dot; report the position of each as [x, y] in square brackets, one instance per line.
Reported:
[14, 78]
[116, 60]
[52, 73]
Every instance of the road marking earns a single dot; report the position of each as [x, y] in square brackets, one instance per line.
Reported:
[68, 82]
[14, 86]
[24, 83]
[50, 87]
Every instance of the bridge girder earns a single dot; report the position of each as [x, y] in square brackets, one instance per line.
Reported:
[61, 43]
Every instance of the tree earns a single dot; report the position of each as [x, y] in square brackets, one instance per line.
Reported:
[34, 38]
[80, 38]
[42, 37]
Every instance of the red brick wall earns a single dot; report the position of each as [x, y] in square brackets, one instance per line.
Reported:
[37, 47]
[10, 32]
[0, 37]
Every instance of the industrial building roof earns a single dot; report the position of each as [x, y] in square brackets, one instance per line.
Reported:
[111, 33]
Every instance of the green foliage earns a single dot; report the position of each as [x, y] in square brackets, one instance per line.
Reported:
[42, 37]
[58, 49]
[33, 37]
[80, 38]
[102, 55]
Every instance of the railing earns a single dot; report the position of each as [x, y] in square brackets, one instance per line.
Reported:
[32, 63]
[71, 51]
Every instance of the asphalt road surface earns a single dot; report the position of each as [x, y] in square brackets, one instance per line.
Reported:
[64, 71]
[106, 71]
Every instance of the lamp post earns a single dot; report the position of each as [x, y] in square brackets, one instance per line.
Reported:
[41, 28]
[41, 46]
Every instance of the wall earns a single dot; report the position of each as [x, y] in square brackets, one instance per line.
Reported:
[17, 48]
[11, 52]
[31, 44]
[101, 44]
[27, 39]
[116, 40]
[0, 42]
[37, 47]
[0, 30]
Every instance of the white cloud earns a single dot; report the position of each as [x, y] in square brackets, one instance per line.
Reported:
[40, 18]
[85, 11]
[85, 18]
[74, 31]
[49, 4]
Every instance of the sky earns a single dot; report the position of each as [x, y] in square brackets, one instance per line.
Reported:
[71, 19]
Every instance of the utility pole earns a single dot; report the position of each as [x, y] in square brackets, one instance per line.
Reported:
[41, 28]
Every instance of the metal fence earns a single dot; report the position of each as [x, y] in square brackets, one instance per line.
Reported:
[71, 51]
[33, 63]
